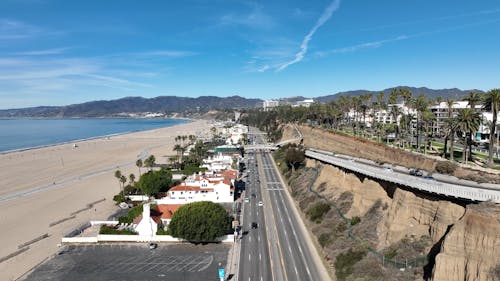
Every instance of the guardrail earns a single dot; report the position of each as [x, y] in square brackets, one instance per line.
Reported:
[428, 185]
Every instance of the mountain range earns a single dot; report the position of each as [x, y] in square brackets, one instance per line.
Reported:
[174, 104]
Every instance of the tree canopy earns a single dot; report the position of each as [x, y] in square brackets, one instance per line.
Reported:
[153, 182]
[200, 222]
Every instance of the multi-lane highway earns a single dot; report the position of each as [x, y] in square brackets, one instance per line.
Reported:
[276, 245]
[254, 255]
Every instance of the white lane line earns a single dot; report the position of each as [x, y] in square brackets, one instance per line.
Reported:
[260, 257]
[249, 257]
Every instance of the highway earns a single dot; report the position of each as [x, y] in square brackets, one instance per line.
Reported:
[447, 188]
[254, 255]
[279, 248]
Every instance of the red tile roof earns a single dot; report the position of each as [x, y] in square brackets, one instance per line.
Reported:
[167, 210]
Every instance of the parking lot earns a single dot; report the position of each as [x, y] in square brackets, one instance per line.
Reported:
[134, 262]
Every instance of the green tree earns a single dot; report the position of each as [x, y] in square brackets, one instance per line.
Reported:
[150, 162]
[131, 179]
[473, 99]
[491, 103]
[123, 180]
[200, 222]
[294, 156]
[139, 164]
[153, 182]
[468, 121]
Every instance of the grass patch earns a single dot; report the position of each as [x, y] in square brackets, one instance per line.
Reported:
[355, 220]
[131, 215]
[345, 262]
[317, 211]
[325, 239]
[111, 230]
[391, 254]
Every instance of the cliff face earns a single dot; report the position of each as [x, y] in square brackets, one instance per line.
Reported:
[409, 214]
[400, 225]
[471, 250]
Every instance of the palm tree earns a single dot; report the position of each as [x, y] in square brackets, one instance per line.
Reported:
[468, 121]
[139, 164]
[473, 98]
[178, 148]
[450, 129]
[150, 162]
[120, 178]
[491, 103]
[123, 180]
[421, 106]
[427, 119]
[131, 179]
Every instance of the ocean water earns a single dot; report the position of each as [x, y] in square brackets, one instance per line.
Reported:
[25, 133]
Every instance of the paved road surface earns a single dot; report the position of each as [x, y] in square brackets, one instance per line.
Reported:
[279, 248]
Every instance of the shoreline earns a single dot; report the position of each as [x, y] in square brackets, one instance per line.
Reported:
[85, 176]
[187, 121]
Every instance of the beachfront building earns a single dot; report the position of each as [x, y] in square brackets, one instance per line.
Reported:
[211, 186]
[218, 162]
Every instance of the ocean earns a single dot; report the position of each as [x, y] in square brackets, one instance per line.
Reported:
[23, 133]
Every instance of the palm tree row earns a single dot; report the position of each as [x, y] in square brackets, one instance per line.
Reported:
[406, 120]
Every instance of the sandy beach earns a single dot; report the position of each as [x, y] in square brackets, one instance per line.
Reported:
[40, 187]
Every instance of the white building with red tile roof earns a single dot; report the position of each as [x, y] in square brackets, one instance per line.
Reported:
[210, 186]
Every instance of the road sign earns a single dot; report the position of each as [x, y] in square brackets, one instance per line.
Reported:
[221, 273]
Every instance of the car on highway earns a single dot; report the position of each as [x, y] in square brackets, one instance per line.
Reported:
[388, 169]
[261, 204]
[247, 200]
[428, 178]
[416, 172]
[254, 225]
[153, 246]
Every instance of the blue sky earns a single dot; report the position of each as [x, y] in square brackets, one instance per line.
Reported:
[63, 52]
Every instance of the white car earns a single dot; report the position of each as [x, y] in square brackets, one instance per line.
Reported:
[247, 200]
[261, 204]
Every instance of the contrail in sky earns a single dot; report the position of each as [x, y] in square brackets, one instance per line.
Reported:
[327, 14]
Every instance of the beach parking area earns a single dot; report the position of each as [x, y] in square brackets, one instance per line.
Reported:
[48, 192]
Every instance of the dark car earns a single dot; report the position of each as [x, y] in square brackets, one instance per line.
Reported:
[416, 172]
[254, 225]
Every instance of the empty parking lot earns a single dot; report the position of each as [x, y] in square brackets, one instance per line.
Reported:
[134, 262]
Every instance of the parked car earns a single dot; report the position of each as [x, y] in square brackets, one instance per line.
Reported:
[416, 172]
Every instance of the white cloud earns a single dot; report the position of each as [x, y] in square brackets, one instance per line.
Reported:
[256, 18]
[166, 53]
[54, 51]
[327, 14]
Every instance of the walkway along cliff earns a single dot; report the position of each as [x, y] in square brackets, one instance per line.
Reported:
[369, 229]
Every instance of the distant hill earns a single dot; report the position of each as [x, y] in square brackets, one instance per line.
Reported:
[203, 104]
[108, 108]
[453, 93]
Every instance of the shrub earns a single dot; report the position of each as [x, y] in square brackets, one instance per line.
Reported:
[317, 211]
[118, 198]
[446, 167]
[355, 220]
[391, 254]
[345, 262]
[131, 215]
[325, 239]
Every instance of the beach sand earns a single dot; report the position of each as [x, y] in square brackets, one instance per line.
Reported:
[42, 186]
